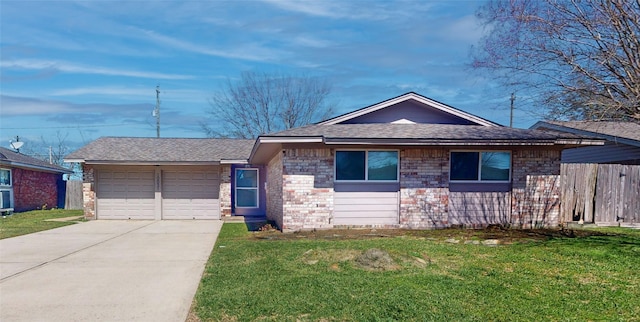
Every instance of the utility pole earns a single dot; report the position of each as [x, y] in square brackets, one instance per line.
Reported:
[156, 112]
[513, 99]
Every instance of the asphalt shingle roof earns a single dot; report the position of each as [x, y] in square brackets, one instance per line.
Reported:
[420, 131]
[163, 150]
[627, 130]
[12, 158]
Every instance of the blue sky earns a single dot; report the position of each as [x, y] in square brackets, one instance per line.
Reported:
[90, 69]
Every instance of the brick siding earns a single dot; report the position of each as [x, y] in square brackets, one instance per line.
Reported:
[34, 189]
[424, 182]
[307, 188]
[425, 198]
[274, 189]
[536, 188]
[88, 192]
[225, 190]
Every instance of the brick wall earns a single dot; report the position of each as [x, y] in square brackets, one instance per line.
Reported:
[536, 188]
[307, 188]
[225, 190]
[88, 192]
[424, 182]
[34, 189]
[274, 189]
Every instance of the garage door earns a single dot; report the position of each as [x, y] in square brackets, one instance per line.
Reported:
[125, 193]
[191, 194]
[365, 208]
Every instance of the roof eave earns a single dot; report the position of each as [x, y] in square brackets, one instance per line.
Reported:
[261, 141]
[562, 128]
[435, 142]
[36, 167]
[234, 161]
[139, 162]
[74, 160]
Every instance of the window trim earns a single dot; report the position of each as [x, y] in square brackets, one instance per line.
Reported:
[10, 178]
[257, 188]
[479, 180]
[366, 165]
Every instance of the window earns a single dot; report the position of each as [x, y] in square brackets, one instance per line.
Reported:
[366, 165]
[480, 166]
[247, 188]
[5, 177]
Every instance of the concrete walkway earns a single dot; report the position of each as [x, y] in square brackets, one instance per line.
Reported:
[105, 271]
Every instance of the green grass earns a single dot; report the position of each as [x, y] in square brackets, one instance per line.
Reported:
[304, 279]
[33, 221]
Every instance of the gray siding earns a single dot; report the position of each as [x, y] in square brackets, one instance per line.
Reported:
[365, 208]
[608, 153]
[410, 110]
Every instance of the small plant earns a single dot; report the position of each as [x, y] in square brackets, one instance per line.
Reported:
[267, 227]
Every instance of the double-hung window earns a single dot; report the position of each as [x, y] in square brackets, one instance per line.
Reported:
[489, 166]
[364, 165]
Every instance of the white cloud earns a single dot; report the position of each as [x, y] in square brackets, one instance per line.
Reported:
[67, 67]
[12, 106]
[251, 52]
[465, 29]
[355, 10]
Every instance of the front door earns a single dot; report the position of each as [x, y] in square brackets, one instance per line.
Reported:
[248, 195]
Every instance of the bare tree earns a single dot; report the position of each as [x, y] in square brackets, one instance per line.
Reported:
[262, 103]
[52, 150]
[580, 58]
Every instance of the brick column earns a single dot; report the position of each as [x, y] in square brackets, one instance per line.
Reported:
[88, 192]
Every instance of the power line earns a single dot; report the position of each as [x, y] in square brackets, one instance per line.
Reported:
[64, 127]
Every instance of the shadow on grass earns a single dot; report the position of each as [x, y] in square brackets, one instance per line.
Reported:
[258, 224]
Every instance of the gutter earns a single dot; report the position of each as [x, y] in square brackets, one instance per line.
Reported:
[116, 162]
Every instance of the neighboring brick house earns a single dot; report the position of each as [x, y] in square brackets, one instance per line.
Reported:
[27, 183]
[408, 162]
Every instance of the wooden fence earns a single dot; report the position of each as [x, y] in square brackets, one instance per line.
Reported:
[73, 198]
[600, 193]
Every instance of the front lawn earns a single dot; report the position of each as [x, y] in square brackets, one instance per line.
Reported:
[444, 275]
[23, 223]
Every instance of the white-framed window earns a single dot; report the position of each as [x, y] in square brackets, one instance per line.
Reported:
[366, 165]
[247, 188]
[480, 166]
[5, 177]
[5, 199]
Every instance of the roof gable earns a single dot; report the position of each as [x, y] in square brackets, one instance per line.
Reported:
[411, 107]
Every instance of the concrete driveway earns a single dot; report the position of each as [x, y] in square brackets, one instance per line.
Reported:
[105, 271]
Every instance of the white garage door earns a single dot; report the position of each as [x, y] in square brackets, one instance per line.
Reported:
[191, 194]
[365, 208]
[126, 193]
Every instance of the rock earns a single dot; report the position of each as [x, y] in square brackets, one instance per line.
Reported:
[452, 241]
[472, 242]
[491, 242]
[420, 260]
